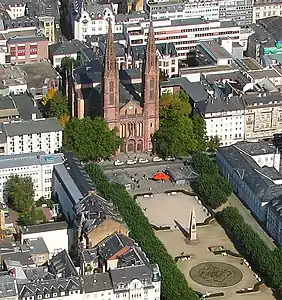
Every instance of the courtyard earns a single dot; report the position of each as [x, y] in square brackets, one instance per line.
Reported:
[205, 272]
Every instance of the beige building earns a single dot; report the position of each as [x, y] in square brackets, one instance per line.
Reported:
[263, 115]
[263, 9]
[48, 25]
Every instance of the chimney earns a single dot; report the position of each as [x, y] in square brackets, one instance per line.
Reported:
[33, 116]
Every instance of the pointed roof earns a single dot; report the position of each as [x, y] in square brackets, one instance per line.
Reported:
[151, 55]
[110, 55]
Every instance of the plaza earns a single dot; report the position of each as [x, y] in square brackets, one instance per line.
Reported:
[205, 272]
[173, 207]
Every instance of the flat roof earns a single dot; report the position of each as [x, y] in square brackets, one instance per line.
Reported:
[45, 227]
[11, 75]
[250, 63]
[260, 74]
[16, 128]
[29, 159]
[214, 49]
[37, 73]
[206, 69]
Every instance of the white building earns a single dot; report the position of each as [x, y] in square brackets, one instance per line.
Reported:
[38, 166]
[34, 135]
[93, 20]
[186, 34]
[55, 235]
[15, 10]
[263, 9]
[208, 10]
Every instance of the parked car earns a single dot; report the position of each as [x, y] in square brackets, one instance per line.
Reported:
[143, 160]
[118, 163]
[170, 158]
[156, 159]
[131, 162]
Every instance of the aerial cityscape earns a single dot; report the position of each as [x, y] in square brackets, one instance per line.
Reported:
[140, 149]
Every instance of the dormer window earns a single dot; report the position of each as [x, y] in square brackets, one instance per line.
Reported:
[63, 293]
[47, 296]
[54, 294]
[39, 297]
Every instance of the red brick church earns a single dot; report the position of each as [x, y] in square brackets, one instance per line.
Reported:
[129, 98]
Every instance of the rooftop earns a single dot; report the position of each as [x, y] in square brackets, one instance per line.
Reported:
[15, 128]
[11, 75]
[214, 49]
[7, 287]
[259, 147]
[36, 74]
[45, 227]
[36, 246]
[251, 173]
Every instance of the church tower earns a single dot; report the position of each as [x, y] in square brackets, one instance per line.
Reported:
[111, 83]
[151, 90]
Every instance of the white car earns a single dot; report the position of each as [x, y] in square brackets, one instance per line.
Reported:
[118, 163]
[170, 158]
[143, 160]
[156, 159]
[131, 162]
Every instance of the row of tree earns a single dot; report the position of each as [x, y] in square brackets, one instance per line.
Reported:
[180, 132]
[265, 261]
[210, 185]
[174, 284]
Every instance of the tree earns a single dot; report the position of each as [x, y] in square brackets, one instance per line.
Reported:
[56, 105]
[175, 136]
[213, 143]
[210, 190]
[69, 63]
[199, 131]
[20, 193]
[169, 101]
[90, 139]
[203, 164]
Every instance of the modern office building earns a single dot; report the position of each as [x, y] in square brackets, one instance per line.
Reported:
[39, 166]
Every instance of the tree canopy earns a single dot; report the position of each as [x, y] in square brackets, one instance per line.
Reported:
[90, 139]
[210, 185]
[68, 63]
[265, 261]
[20, 193]
[55, 104]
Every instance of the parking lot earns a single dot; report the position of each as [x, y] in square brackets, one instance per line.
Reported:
[173, 207]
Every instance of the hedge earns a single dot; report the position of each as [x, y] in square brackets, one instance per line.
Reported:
[266, 262]
[174, 284]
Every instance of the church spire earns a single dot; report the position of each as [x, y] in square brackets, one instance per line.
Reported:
[110, 55]
[151, 55]
[110, 82]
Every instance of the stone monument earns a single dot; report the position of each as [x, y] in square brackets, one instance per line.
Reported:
[193, 226]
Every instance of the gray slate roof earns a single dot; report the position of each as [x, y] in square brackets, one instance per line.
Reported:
[248, 170]
[16, 128]
[45, 227]
[7, 287]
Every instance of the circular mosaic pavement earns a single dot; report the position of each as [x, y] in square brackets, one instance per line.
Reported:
[216, 274]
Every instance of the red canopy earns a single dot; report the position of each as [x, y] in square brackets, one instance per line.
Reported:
[161, 176]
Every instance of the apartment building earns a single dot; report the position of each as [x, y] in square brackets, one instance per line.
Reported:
[30, 49]
[49, 27]
[263, 9]
[15, 9]
[37, 165]
[93, 20]
[186, 34]
[17, 137]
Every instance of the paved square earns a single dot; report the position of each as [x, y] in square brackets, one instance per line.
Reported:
[163, 209]
[211, 235]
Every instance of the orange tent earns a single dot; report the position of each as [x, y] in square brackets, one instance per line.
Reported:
[161, 176]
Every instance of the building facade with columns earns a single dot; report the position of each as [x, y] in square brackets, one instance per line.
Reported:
[127, 99]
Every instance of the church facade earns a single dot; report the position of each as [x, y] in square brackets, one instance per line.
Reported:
[129, 99]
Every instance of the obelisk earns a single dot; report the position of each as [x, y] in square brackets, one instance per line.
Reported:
[193, 227]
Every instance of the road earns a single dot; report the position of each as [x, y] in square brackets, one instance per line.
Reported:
[110, 166]
[249, 219]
